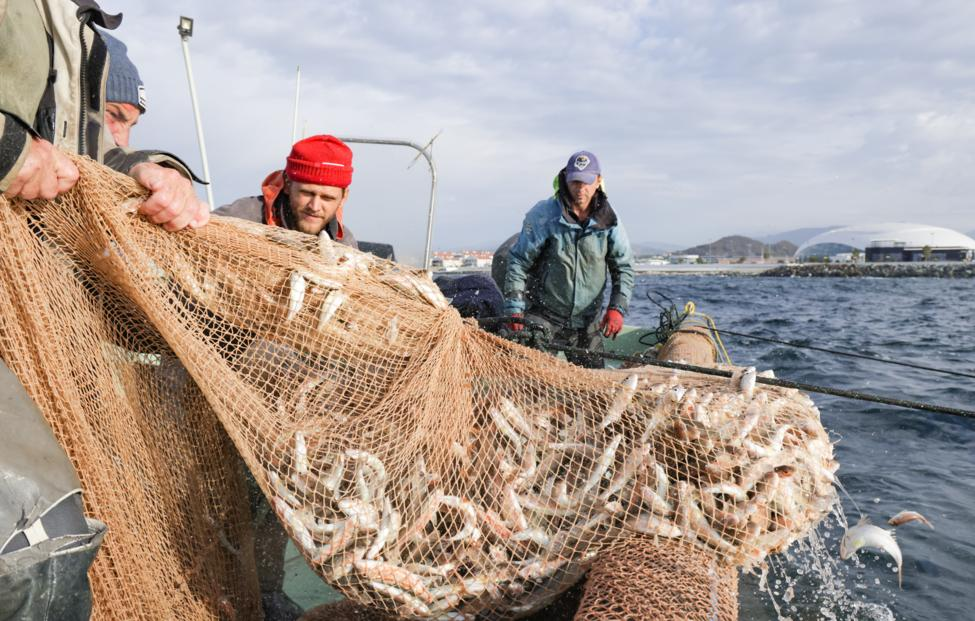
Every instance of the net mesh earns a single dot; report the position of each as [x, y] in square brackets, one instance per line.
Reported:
[423, 467]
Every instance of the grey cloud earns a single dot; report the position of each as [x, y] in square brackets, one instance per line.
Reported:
[710, 117]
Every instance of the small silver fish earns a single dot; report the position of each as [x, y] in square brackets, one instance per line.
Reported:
[866, 535]
[296, 295]
[909, 516]
[747, 384]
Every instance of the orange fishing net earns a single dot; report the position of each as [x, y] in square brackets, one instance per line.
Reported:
[422, 466]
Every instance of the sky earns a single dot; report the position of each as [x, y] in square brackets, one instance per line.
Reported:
[709, 117]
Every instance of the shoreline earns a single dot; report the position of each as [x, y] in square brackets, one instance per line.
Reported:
[791, 270]
[873, 270]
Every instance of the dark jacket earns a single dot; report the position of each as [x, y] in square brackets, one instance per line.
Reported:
[271, 208]
[571, 260]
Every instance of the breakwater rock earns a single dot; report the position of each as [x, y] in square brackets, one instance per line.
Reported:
[881, 270]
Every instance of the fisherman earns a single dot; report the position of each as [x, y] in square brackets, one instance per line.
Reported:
[557, 269]
[41, 56]
[308, 195]
[125, 94]
[48, 48]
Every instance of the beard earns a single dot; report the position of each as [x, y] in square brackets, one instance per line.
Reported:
[311, 227]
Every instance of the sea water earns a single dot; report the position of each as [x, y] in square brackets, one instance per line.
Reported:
[891, 459]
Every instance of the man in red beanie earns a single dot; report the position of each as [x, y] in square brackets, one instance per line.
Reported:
[307, 195]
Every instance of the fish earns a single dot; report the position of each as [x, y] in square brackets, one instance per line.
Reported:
[301, 453]
[909, 516]
[621, 401]
[747, 383]
[332, 302]
[602, 465]
[866, 535]
[296, 295]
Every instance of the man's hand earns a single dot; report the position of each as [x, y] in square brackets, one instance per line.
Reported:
[46, 173]
[173, 203]
[612, 323]
[517, 326]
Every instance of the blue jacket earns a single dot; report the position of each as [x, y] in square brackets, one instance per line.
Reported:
[568, 262]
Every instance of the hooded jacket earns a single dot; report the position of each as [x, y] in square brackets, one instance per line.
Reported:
[569, 261]
[271, 208]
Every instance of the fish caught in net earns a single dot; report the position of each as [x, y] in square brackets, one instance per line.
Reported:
[422, 466]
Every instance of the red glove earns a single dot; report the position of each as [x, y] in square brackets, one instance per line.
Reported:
[517, 326]
[612, 323]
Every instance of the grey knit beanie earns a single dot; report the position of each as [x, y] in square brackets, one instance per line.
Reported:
[124, 84]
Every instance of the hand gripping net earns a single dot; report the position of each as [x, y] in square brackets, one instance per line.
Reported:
[422, 466]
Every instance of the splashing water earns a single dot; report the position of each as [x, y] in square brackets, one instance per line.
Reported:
[810, 582]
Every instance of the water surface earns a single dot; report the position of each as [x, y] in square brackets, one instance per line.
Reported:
[891, 459]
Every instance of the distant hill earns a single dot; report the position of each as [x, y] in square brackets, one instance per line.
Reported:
[649, 248]
[797, 236]
[741, 246]
[971, 234]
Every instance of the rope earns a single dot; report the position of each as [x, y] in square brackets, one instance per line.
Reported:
[826, 390]
[848, 354]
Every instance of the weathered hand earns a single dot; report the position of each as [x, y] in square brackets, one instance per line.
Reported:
[45, 173]
[173, 203]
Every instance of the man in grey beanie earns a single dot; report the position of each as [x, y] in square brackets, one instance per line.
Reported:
[125, 94]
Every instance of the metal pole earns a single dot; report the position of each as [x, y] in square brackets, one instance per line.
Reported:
[199, 125]
[433, 183]
[294, 123]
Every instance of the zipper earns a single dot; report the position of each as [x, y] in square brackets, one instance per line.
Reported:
[83, 113]
[575, 276]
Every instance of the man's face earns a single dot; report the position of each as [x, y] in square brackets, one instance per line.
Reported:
[314, 206]
[120, 118]
[582, 193]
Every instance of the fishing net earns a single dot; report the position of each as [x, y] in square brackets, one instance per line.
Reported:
[423, 467]
[663, 579]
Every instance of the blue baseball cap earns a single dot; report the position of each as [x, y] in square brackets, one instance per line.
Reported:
[583, 166]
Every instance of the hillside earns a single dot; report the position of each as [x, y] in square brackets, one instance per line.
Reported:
[741, 246]
[649, 248]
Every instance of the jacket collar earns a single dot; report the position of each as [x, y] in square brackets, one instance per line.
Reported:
[602, 215]
[276, 212]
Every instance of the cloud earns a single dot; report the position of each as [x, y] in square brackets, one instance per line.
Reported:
[710, 118]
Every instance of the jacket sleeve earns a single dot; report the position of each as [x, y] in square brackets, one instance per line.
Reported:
[14, 147]
[521, 258]
[123, 160]
[619, 259]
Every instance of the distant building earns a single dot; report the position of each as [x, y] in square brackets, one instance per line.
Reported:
[465, 260]
[892, 242]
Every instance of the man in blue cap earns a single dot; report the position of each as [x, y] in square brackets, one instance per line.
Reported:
[557, 269]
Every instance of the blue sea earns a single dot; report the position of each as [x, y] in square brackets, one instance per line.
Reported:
[891, 458]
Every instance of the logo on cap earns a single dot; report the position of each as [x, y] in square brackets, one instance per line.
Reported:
[582, 162]
[142, 97]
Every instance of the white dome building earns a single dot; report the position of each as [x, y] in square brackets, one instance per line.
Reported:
[894, 241]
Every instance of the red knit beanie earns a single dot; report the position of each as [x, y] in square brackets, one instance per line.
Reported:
[322, 160]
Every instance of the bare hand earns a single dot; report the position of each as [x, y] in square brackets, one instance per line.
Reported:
[45, 173]
[173, 203]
